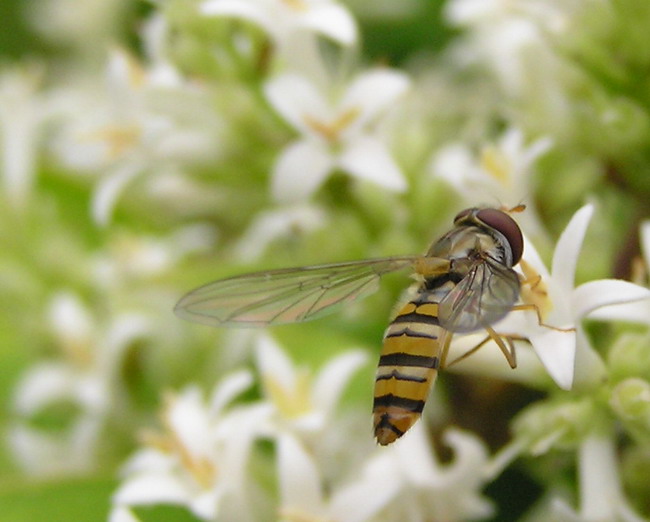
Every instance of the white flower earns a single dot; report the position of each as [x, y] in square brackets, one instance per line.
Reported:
[401, 482]
[300, 403]
[144, 121]
[564, 306]
[271, 225]
[84, 377]
[23, 112]
[302, 490]
[601, 493]
[638, 312]
[199, 460]
[122, 514]
[339, 134]
[87, 27]
[503, 172]
[509, 36]
[281, 18]
[129, 257]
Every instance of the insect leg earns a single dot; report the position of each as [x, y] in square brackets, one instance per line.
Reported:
[470, 351]
[508, 351]
[540, 322]
[445, 342]
[534, 293]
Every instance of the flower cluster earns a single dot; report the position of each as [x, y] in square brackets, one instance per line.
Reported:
[227, 136]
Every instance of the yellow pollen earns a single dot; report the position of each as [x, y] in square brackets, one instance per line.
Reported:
[78, 351]
[203, 470]
[534, 290]
[135, 72]
[331, 131]
[296, 5]
[118, 139]
[497, 165]
[291, 402]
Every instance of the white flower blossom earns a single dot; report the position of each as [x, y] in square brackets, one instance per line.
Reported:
[124, 131]
[23, 112]
[86, 27]
[302, 489]
[504, 171]
[560, 340]
[300, 403]
[84, 377]
[638, 312]
[334, 135]
[601, 492]
[271, 225]
[401, 482]
[508, 36]
[281, 18]
[199, 460]
[129, 257]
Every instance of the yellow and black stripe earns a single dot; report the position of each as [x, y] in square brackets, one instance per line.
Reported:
[407, 368]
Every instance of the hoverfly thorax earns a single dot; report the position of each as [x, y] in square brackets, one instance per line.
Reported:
[478, 232]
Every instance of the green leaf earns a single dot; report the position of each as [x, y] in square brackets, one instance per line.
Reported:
[57, 500]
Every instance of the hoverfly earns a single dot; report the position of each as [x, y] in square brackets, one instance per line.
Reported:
[467, 283]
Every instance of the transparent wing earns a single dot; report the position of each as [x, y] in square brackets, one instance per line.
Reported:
[285, 296]
[481, 298]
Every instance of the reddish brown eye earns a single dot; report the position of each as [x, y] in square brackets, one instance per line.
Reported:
[503, 223]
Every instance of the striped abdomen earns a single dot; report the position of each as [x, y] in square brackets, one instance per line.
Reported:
[407, 368]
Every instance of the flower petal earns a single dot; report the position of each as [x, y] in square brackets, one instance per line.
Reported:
[122, 514]
[273, 363]
[557, 351]
[600, 484]
[270, 225]
[373, 92]
[331, 20]
[296, 99]
[567, 250]
[414, 451]
[367, 158]
[300, 170]
[150, 489]
[455, 164]
[44, 384]
[300, 481]
[590, 370]
[332, 379]
[187, 416]
[228, 389]
[363, 499]
[596, 294]
[534, 259]
[109, 189]
[236, 8]
[637, 312]
[70, 319]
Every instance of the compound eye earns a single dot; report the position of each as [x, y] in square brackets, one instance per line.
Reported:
[463, 214]
[502, 222]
